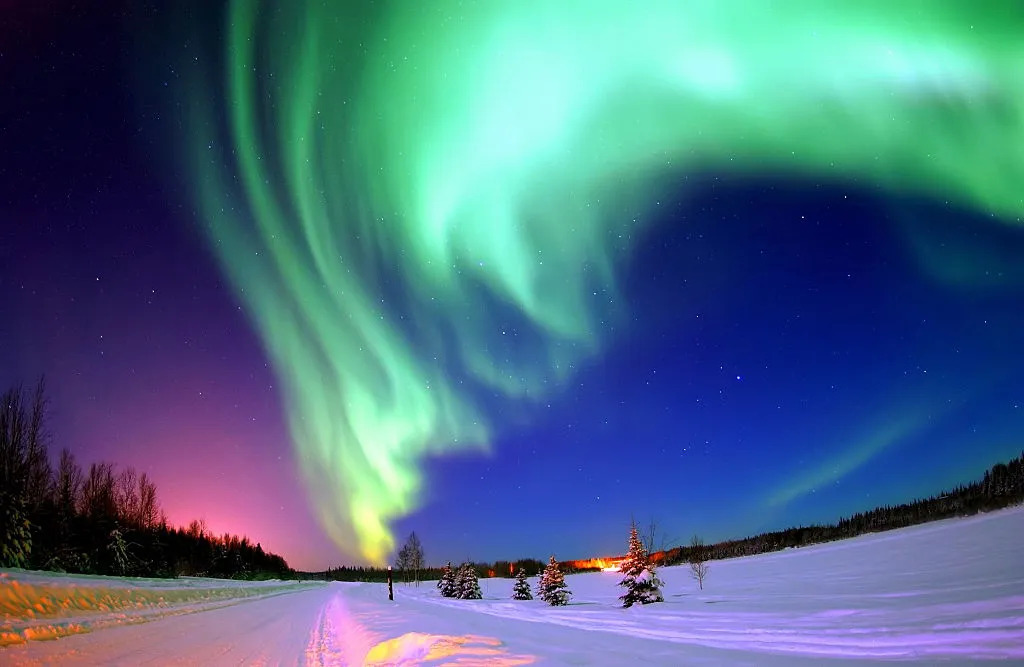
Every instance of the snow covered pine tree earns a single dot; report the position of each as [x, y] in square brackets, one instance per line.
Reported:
[466, 585]
[553, 589]
[446, 584]
[641, 581]
[521, 591]
[542, 582]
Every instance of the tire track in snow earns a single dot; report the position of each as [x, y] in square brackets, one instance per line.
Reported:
[337, 638]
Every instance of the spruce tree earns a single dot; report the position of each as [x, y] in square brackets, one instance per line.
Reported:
[446, 584]
[15, 531]
[521, 591]
[542, 582]
[466, 585]
[640, 581]
[553, 588]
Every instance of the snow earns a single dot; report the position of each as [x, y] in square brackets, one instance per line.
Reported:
[950, 591]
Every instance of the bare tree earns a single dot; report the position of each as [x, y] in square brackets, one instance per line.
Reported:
[13, 450]
[197, 529]
[37, 464]
[99, 497]
[417, 557]
[698, 560]
[402, 562]
[68, 484]
[128, 497]
[410, 559]
[149, 510]
[654, 542]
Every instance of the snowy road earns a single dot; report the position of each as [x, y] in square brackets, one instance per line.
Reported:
[950, 591]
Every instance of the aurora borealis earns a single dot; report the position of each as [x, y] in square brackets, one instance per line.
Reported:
[471, 240]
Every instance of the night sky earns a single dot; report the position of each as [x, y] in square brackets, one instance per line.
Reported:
[513, 275]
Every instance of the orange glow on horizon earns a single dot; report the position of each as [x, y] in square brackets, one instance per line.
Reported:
[609, 563]
[604, 564]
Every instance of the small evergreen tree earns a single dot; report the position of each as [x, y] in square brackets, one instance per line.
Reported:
[15, 531]
[446, 584]
[640, 581]
[542, 582]
[521, 590]
[554, 590]
[466, 585]
[17, 432]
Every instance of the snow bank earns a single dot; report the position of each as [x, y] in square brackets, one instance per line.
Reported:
[942, 590]
[37, 605]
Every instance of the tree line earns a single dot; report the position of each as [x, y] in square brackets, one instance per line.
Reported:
[501, 568]
[410, 566]
[103, 520]
[1001, 486]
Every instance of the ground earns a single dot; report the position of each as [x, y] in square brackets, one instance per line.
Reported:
[950, 591]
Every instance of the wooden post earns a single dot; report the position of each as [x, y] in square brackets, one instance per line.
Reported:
[391, 591]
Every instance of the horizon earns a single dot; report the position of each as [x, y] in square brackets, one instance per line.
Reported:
[684, 544]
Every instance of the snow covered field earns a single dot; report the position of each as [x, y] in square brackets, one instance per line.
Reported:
[951, 591]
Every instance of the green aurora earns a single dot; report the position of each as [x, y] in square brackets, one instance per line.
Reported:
[430, 204]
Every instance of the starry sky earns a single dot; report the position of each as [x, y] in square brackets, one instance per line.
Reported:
[510, 275]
